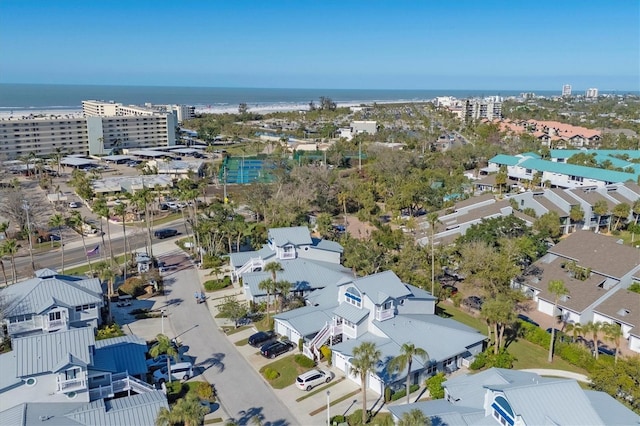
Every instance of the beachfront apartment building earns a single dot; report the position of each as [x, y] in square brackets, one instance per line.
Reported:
[476, 109]
[105, 127]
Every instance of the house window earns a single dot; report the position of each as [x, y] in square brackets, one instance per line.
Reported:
[387, 305]
[55, 315]
[353, 296]
[31, 381]
[502, 411]
[71, 374]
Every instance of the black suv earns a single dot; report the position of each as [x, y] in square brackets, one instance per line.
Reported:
[165, 233]
[272, 350]
[261, 337]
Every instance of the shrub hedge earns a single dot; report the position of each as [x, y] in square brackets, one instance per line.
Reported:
[213, 285]
[403, 392]
[270, 373]
[303, 361]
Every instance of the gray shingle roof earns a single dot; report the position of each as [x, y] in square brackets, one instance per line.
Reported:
[296, 235]
[382, 286]
[36, 295]
[44, 353]
[351, 313]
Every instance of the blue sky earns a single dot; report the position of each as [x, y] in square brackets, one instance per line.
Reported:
[427, 44]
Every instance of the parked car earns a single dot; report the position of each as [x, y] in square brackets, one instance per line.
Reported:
[606, 351]
[161, 361]
[165, 233]
[310, 379]
[525, 318]
[179, 371]
[172, 205]
[74, 205]
[474, 302]
[261, 337]
[273, 349]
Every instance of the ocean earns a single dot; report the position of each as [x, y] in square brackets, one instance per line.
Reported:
[21, 98]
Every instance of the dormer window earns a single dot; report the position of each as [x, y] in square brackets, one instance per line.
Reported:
[353, 297]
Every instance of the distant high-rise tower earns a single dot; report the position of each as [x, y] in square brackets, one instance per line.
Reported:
[566, 90]
[591, 93]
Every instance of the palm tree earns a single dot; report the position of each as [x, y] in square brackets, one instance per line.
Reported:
[432, 219]
[77, 221]
[365, 358]
[405, 359]
[274, 268]
[636, 214]
[576, 214]
[4, 227]
[4, 272]
[58, 221]
[558, 289]
[121, 210]
[613, 332]
[575, 328]
[10, 247]
[593, 328]
[620, 211]
[414, 417]
[600, 208]
[269, 286]
[106, 273]
[190, 411]
[101, 208]
[167, 417]
[164, 346]
[283, 287]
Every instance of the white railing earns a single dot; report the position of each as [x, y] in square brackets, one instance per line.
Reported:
[122, 382]
[71, 384]
[105, 391]
[383, 315]
[51, 324]
[321, 336]
[24, 326]
[139, 386]
[249, 266]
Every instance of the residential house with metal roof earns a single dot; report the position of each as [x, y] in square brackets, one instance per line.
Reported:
[594, 268]
[69, 365]
[308, 263]
[52, 302]
[508, 397]
[380, 308]
[558, 174]
[139, 410]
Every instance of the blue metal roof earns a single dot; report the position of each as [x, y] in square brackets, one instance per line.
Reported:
[351, 313]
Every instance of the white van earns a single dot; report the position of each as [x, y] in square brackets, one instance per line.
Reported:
[179, 371]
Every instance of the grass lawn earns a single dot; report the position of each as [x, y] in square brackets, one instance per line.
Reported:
[231, 330]
[288, 370]
[242, 342]
[83, 269]
[528, 355]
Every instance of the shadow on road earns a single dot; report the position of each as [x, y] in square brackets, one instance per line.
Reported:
[254, 416]
[215, 360]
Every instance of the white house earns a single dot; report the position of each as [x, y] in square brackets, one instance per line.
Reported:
[308, 263]
[381, 309]
[52, 302]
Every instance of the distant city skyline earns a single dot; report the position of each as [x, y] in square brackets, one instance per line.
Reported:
[493, 45]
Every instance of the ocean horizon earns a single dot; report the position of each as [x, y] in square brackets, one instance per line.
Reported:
[21, 98]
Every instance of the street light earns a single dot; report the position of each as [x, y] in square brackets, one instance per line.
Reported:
[328, 408]
[162, 321]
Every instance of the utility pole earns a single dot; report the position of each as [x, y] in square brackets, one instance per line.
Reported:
[359, 156]
[26, 207]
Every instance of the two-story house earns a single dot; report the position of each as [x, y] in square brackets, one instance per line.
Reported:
[380, 308]
[595, 268]
[70, 365]
[52, 302]
[518, 398]
[308, 263]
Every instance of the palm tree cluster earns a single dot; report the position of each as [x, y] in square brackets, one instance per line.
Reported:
[187, 411]
[610, 331]
[273, 286]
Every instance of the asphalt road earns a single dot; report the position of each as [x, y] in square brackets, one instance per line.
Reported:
[243, 393]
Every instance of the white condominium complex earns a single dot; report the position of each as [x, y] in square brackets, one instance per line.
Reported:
[591, 93]
[488, 108]
[105, 128]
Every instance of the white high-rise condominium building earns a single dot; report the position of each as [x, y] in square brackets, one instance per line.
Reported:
[591, 93]
[490, 109]
[566, 90]
[105, 126]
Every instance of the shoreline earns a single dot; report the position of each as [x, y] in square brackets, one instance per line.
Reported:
[266, 108]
